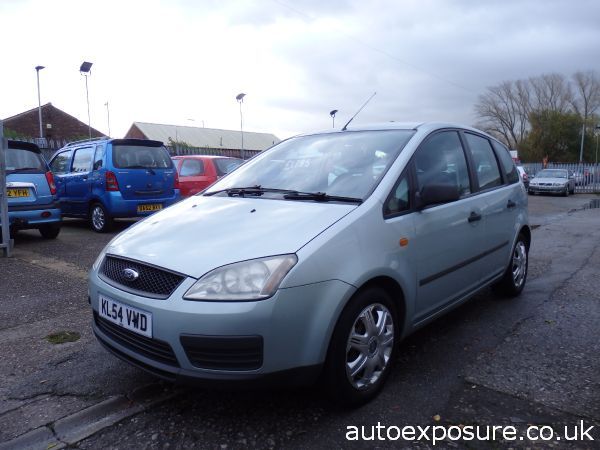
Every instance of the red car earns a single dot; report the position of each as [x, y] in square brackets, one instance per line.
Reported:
[197, 172]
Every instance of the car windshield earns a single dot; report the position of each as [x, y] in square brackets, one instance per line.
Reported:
[226, 165]
[344, 164]
[23, 160]
[141, 157]
[552, 174]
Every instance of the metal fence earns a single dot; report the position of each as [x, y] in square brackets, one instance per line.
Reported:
[234, 153]
[50, 146]
[587, 176]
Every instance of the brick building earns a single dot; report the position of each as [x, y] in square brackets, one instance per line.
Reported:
[57, 125]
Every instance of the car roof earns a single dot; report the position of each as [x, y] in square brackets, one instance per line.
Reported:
[203, 157]
[421, 126]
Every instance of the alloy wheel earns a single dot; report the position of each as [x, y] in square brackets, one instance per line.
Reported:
[519, 264]
[369, 346]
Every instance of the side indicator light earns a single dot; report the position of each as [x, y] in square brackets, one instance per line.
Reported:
[403, 242]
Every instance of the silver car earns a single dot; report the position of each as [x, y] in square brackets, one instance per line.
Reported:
[316, 258]
[552, 181]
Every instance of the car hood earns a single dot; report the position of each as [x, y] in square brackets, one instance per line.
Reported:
[202, 233]
[549, 180]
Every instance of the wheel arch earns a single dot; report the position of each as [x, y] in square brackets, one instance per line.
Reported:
[395, 291]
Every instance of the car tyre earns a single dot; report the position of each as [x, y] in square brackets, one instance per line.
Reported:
[362, 348]
[566, 193]
[50, 231]
[514, 279]
[99, 219]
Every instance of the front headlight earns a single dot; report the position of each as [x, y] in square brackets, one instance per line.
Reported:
[255, 279]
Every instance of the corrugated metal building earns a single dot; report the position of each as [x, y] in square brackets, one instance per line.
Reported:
[208, 138]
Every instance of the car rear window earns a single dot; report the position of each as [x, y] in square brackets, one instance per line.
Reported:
[23, 160]
[225, 165]
[141, 157]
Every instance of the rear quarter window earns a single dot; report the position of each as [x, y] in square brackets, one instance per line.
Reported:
[508, 166]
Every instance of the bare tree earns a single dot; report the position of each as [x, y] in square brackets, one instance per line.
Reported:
[587, 87]
[551, 92]
[504, 110]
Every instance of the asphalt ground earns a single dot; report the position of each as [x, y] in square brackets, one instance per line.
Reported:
[493, 361]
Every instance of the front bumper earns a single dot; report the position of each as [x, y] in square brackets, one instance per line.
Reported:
[294, 327]
[546, 189]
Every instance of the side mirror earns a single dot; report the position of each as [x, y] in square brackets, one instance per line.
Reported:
[435, 194]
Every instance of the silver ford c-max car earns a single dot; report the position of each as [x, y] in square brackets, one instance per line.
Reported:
[316, 258]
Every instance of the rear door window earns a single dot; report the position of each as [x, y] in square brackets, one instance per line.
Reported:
[486, 166]
[82, 161]
[60, 163]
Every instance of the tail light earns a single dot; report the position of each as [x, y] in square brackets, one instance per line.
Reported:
[111, 181]
[176, 184]
[51, 184]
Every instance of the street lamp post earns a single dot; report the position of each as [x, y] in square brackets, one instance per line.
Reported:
[332, 114]
[597, 135]
[107, 117]
[240, 99]
[37, 71]
[85, 70]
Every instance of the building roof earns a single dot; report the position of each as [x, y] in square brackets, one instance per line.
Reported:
[206, 137]
[59, 124]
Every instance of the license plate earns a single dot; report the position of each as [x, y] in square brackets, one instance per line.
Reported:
[149, 208]
[13, 193]
[128, 317]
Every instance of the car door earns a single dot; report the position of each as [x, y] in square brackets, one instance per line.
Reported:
[500, 204]
[78, 181]
[449, 237]
[61, 166]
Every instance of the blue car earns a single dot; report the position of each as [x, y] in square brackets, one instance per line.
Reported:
[31, 192]
[107, 178]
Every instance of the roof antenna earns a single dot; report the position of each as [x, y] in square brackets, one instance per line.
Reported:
[361, 108]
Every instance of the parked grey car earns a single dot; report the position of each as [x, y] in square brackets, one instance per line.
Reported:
[316, 258]
[552, 181]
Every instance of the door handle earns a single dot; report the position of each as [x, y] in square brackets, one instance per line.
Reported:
[511, 204]
[474, 217]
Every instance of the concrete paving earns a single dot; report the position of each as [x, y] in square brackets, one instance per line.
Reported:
[533, 359]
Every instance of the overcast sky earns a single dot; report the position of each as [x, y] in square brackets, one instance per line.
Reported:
[183, 61]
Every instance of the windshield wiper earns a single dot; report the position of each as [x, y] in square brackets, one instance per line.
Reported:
[289, 194]
[320, 197]
[255, 190]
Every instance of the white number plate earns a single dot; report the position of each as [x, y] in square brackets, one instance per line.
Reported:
[126, 316]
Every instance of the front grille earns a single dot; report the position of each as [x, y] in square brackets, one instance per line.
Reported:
[151, 281]
[151, 348]
[224, 352]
